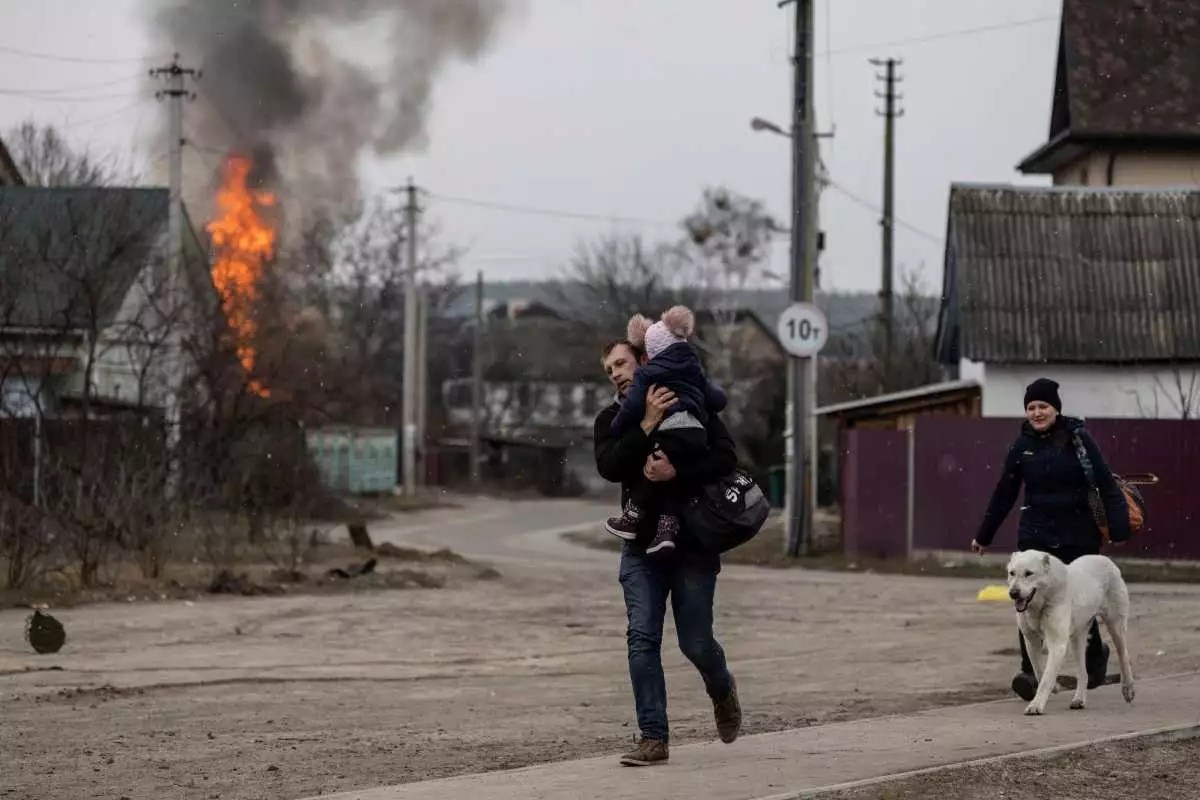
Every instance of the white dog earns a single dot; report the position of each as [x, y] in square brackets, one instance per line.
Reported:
[1055, 606]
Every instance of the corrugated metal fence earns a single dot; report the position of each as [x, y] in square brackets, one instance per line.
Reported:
[926, 489]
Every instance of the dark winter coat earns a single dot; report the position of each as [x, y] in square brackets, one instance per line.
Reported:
[1056, 513]
[620, 458]
[677, 368]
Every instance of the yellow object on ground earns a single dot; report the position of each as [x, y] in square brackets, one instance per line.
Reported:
[989, 593]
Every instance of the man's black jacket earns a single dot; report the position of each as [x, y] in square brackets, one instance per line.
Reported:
[620, 459]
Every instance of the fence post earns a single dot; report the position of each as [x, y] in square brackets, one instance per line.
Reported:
[37, 459]
[910, 468]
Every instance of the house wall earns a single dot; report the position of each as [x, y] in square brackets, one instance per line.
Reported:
[1121, 392]
[131, 359]
[1141, 169]
[512, 407]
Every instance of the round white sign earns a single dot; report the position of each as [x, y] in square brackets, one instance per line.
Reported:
[802, 330]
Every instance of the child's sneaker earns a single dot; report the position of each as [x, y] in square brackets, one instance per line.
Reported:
[625, 526]
[664, 536]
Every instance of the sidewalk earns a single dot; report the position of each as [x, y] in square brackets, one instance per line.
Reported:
[790, 764]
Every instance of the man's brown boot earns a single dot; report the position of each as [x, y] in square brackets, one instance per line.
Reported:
[728, 712]
[647, 753]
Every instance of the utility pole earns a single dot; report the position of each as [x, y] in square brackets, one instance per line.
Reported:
[802, 380]
[886, 290]
[422, 382]
[477, 387]
[408, 449]
[174, 93]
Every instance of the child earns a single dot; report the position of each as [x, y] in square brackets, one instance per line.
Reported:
[674, 364]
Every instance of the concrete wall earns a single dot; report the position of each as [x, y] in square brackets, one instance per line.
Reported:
[1133, 169]
[1124, 392]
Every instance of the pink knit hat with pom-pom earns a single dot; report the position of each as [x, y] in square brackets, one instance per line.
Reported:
[676, 326]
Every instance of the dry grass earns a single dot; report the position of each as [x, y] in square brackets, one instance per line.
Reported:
[1151, 767]
[247, 569]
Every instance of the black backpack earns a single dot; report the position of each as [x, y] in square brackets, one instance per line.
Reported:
[727, 513]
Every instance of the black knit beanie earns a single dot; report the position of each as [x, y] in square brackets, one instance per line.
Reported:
[1044, 390]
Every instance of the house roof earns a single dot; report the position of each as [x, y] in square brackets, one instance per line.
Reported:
[1127, 70]
[899, 402]
[9, 174]
[1071, 275]
[68, 256]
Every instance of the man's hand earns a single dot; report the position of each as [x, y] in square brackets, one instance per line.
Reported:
[659, 400]
[658, 467]
[977, 548]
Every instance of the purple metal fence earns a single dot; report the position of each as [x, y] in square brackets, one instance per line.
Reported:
[955, 466]
[956, 462]
[875, 493]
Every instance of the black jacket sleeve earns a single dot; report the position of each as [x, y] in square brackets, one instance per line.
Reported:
[618, 457]
[1116, 508]
[1003, 496]
[719, 461]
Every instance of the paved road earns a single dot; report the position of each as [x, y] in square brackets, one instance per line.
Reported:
[511, 531]
[529, 532]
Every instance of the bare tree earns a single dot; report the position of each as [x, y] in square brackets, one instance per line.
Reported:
[719, 256]
[1175, 397]
[725, 249]
[88, 328]
[615, 276]
[354, 313]
[853, 366]
[45, 158]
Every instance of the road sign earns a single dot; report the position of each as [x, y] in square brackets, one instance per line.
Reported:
[802, 330]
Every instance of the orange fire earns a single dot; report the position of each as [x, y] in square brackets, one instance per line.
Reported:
[243, 240]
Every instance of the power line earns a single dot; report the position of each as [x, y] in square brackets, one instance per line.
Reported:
[547, 212]
[15, 51]
[98, 118]
[934, 37]
[95, 98]
[234, 130]
[199, 146]
[896, 220]
[68, 90]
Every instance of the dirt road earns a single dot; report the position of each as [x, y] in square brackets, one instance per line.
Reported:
[294, 696]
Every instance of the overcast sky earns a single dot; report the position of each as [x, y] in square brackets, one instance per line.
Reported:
[630, 108]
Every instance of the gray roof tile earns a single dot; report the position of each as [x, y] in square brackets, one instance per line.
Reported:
[1071, 275]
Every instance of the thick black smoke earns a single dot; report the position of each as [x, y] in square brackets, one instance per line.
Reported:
[277, 86]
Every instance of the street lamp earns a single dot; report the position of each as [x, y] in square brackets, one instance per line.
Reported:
[821, 179]
[760, 124]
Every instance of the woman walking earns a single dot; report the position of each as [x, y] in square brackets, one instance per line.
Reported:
[1057, 516]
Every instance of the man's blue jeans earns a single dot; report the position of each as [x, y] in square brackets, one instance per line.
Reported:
[690, 580]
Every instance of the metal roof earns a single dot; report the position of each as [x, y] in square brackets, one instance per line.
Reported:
[928, 392]
[1071, 275]
[9, 174]
[68, 256]
[1132, 67]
